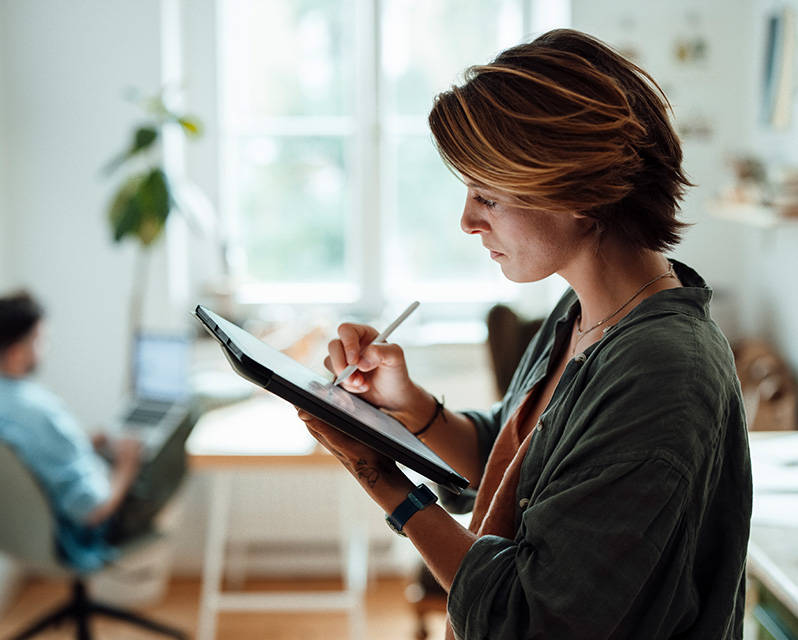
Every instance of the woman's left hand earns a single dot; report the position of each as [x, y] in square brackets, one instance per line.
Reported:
[442, 542]
[376, 472]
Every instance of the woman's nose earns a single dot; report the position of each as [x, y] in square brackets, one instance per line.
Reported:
[473, 221]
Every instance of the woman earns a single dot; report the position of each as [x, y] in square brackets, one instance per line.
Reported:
[613, 480]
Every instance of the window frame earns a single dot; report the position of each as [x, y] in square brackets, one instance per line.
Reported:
[367, 296]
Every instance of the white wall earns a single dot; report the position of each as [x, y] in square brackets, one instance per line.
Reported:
[769, 290]
[5, 220]
[709, 91]
[66, 69]
[752, 269]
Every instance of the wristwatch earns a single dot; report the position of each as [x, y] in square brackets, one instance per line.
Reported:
[419, 498]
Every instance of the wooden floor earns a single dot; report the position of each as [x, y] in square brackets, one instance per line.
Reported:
[388, 615]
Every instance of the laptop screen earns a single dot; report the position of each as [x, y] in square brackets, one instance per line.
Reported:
[161, 365]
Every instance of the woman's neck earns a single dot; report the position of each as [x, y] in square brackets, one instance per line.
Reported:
[611, 282]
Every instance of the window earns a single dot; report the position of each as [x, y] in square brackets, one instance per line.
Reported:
[330, 185]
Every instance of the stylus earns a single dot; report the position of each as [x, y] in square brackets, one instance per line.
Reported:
[380, 338]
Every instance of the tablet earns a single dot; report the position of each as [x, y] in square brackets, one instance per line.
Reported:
[276, 372]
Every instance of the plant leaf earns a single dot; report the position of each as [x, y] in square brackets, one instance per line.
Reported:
[125, 213]
[155, 202]
[155, 195]
[143, 139]
[149, 230]
[191, 126]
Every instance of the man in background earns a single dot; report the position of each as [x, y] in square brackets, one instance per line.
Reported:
[98, 500]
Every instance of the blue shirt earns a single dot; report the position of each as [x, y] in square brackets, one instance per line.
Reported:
[48, 440]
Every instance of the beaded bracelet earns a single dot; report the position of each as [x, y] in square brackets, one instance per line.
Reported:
[438, 412]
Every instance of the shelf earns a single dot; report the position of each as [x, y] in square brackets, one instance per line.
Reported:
[754, 215]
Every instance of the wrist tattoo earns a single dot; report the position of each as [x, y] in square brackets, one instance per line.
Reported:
[370, 475]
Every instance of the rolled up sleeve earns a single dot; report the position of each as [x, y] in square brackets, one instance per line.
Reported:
[60, 455]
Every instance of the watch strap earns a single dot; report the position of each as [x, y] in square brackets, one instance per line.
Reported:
[418, 499]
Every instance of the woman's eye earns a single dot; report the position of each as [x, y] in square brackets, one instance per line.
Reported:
[490, 204]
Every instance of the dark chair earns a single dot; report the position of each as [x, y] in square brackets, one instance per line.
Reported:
[769, 388]
[27, 535]
[509, 334]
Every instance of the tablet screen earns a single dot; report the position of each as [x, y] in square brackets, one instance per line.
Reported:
[315, 384]
[267, 363]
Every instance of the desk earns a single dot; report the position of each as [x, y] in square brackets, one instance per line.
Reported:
[773, 580]
[773, 548]
[265, 433]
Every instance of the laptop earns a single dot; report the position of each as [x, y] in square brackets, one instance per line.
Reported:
[159, 403]
[276, 372]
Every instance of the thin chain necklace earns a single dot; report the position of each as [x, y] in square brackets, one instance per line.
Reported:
[581, 334]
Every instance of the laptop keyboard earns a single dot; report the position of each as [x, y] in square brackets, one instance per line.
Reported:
[148, 414]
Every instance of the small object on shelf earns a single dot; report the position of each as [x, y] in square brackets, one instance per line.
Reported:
[768, 387]
[758, 215]
[784, 191]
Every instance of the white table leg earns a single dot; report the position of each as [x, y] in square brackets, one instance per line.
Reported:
[218, 514]
[354, 543]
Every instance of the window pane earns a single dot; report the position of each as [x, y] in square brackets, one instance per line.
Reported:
[287, 58]
[427, 242]
[329, 175]
[426, 45]
[290, 202]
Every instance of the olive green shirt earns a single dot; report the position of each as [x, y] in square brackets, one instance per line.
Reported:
[634, 501]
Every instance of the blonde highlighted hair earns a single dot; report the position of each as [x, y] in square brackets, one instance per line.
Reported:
[565, 123]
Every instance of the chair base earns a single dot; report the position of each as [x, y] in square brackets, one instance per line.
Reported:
[80, 609]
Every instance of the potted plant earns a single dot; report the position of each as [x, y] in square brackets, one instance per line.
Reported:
[148, 193]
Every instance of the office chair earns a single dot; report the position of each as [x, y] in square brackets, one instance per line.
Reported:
[509, 334]
[27, 534]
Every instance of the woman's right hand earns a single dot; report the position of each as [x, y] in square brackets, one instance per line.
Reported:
[381, 377]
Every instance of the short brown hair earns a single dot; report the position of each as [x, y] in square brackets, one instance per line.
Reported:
[565, 123]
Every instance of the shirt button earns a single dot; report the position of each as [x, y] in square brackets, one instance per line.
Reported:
[524, 503]
[539, 425]
[580, 358]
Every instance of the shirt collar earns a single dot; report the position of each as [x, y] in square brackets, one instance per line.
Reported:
[691, 299]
